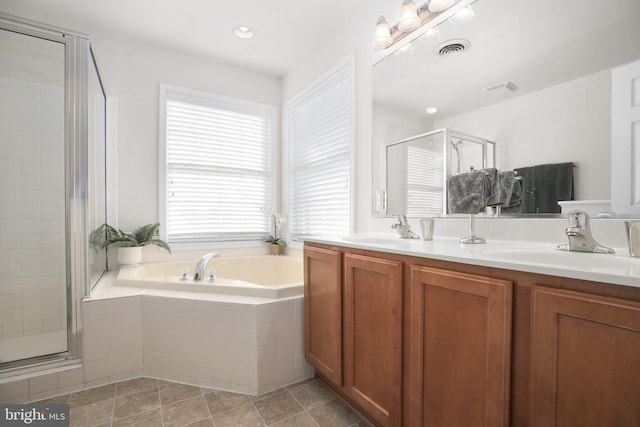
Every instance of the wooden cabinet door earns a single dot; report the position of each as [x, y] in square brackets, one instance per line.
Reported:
[460, 349]
[585, 360]
[323, 311]
[373, 290]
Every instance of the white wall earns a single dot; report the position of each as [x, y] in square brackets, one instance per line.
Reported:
[569, 122]
[132, 72]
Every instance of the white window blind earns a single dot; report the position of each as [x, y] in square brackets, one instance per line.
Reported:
[424, 181]
[217, 168]
[320, 137]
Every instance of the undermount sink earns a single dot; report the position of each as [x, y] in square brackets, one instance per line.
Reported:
[569, 259]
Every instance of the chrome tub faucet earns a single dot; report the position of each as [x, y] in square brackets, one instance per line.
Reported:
[579, 235]
[202, 264]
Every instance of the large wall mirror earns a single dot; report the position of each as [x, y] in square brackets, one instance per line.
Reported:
[535, 77]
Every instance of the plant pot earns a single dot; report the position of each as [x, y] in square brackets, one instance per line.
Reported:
[130, 256]
[276, 249]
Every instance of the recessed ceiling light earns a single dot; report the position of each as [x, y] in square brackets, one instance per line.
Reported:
[431, 110]
[243, 32]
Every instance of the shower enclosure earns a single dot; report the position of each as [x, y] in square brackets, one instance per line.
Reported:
[52, 192]
[417, 169]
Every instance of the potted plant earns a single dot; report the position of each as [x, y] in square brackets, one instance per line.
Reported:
[130, 244]
[277, 221]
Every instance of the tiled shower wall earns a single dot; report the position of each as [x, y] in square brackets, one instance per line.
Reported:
[32, 242]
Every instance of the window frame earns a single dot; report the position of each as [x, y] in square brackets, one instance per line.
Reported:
[216, 101]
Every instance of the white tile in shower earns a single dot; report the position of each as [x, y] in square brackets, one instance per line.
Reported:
[43, 383]
[12, 391]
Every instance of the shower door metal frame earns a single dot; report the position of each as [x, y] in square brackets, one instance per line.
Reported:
[77, 56]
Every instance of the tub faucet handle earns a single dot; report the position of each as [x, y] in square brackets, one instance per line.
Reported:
[185, 274]
[212, 275]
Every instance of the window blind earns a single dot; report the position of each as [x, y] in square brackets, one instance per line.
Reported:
[218, 169]
[320, 137]
[424, 182]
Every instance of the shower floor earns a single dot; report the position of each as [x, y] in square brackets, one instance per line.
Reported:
[19, 348]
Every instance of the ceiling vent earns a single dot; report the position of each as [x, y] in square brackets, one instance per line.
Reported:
[504, 87]
[451, 48]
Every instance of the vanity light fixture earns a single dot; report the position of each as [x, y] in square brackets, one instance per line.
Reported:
[409, 20]
[420, 19]
[431, 110]
[382, 38]
[440, 5]
[243, 32]
[463, 16]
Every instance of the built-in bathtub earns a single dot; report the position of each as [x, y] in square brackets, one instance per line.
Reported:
[258, 276]
[243, 333]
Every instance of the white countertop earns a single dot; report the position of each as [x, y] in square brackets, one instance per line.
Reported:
[619, 268]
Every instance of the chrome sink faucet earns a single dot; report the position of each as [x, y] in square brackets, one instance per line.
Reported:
[403, 228]
[579, 235]
[202, 264]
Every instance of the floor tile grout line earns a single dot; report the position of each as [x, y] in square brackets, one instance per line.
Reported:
[305, 410]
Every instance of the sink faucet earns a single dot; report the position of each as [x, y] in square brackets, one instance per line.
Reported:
[202, 264]
[579, 235]
[403, 228]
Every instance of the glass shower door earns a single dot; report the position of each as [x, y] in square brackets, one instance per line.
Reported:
[33, 276]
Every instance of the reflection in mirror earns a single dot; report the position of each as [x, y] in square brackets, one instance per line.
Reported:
[535, 77]
[417, 168]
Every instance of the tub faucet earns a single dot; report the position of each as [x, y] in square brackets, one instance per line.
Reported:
[403, 228]
[579, 235]
[202, 264]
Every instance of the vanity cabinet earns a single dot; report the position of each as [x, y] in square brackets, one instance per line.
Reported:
[414, 341]
[323, 311]
[460, 349]
[585, 360]
[373, 290]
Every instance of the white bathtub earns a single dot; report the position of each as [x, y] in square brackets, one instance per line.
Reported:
[263, 276]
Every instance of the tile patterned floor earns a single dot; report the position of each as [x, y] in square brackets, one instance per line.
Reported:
[147, 402]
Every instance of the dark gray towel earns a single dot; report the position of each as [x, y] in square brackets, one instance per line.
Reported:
[544, 185]
[507, 190]
[467, 193]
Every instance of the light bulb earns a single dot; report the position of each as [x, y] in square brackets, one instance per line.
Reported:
[462, 16]
[431, 35]
[440, 5]
[409, 19]
[382, 38]
[431, 110]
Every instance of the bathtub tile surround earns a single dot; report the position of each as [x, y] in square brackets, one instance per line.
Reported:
[147, 401]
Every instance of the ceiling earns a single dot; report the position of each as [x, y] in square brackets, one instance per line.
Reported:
[286, 30]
